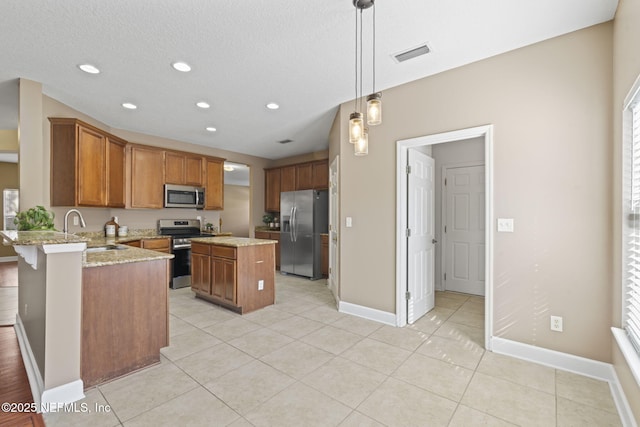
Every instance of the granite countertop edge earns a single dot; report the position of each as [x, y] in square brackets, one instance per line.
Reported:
[122, 256]
[234, 242]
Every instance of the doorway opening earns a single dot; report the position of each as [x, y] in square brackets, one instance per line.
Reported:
[235, 217]
[403, 262]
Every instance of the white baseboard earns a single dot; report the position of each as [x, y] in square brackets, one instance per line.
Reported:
[367, 313]
[50, 398]
[8, 258]
[571, 363]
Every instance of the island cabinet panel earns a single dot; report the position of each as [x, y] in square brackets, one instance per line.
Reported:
[273, 235]
[147, 177]
[214, 187]
[87, 165]
[272, 190]
[124, 319]
[241, 278]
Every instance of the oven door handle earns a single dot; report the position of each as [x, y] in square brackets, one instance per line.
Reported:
[184, 246]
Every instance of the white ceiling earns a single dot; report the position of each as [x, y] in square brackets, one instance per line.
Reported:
[245, 54]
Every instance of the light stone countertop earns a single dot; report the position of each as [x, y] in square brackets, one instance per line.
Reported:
[121, 256]
[234, 242]
[37, 238]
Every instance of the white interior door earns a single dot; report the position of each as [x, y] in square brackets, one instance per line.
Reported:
[420, 242]
[464, 245]
[333, 228]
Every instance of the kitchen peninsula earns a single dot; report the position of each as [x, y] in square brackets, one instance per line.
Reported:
[235, 272]
[86, 316]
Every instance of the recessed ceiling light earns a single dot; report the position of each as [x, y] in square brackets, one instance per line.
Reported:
[272, 106]
[181, 66]
[129, 106]
[88, 68]
[203, 104]
[211, 129]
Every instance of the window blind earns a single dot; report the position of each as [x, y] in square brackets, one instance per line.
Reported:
[632, 285]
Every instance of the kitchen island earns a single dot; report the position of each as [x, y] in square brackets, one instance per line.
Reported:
[235, 272]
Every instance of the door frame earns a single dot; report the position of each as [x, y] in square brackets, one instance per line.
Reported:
[402, 149]
[443, 212]
[334, 247]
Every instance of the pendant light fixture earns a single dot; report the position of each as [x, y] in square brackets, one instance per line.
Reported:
[358, 135]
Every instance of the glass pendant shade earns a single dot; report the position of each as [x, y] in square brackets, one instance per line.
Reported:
[361, 148]
[374, 109]
[355, 127]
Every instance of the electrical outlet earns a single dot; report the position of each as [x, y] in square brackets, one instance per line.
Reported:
[505, 225]
[556, 323]
[75, 220]
[260, 285]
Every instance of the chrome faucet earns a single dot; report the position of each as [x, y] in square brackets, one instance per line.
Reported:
[66, 220]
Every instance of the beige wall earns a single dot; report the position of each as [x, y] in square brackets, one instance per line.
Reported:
[9, 178]
[319, 155]
[9, 140]
[550, 106]
[235, 217]
[626, 68]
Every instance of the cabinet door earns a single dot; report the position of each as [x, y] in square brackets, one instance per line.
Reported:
[193, 170]
[160, 245]
[147, 177]
[272, 190]
[304, 176]
[116, 173]
[223, 279]
[214, 195]
[174, 167]
[288, 178]
[320, 175]
[201, 273]
[92, 184]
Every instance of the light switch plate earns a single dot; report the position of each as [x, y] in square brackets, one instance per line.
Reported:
[349, 221]
[505, 225]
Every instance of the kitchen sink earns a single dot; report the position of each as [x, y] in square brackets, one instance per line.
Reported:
[106, 248]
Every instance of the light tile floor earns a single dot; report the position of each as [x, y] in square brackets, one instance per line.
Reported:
[302, 363]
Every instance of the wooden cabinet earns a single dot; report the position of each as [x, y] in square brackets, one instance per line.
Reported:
[214, 185]
[147, 177]
[302, 176]
[288, 178]
[160, 245]
[273, 235]
[272, 190]
[200, 268]
[183, 168]
[240, 278]
[324, 251]
[87, 165]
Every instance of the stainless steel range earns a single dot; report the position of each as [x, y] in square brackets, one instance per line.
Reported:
[181, 231]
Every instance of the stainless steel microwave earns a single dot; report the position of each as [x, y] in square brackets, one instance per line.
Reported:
[183, 196]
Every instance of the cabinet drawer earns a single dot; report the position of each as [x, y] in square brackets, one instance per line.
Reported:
[200, 248]
[223, 252]
[155, 244]
[135, 243]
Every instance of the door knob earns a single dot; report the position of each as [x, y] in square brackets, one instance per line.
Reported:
[434, 241]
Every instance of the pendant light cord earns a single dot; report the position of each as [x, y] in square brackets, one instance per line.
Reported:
[355, 100]
[361, 63]
[374, 48]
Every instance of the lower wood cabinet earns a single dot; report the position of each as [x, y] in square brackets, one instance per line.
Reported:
[272, 235]
[239, 278]
[160, 245]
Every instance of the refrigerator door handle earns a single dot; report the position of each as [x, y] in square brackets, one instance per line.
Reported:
[291, 224]
[294, 227]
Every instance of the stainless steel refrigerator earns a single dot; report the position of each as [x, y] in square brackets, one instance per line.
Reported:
[303, 217]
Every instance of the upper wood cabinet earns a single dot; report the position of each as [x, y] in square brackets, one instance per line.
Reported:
[87, 165]
[214, 184]
[183, 168]
[272, 190]
[302, 176]
[147, 177]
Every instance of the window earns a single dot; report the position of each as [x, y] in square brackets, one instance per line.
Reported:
[10, 208]
[629, 338]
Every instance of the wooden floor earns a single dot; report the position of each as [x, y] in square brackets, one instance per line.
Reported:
[14, 384]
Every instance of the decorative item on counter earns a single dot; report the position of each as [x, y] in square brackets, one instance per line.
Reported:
[267, 219]
[111, 227]
[208, 227]
[123, 231]
[37, 218]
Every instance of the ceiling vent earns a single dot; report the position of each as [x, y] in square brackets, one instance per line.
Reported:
[412, 53]
[285, 141]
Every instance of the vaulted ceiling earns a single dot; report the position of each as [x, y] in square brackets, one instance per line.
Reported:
[245, 54]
